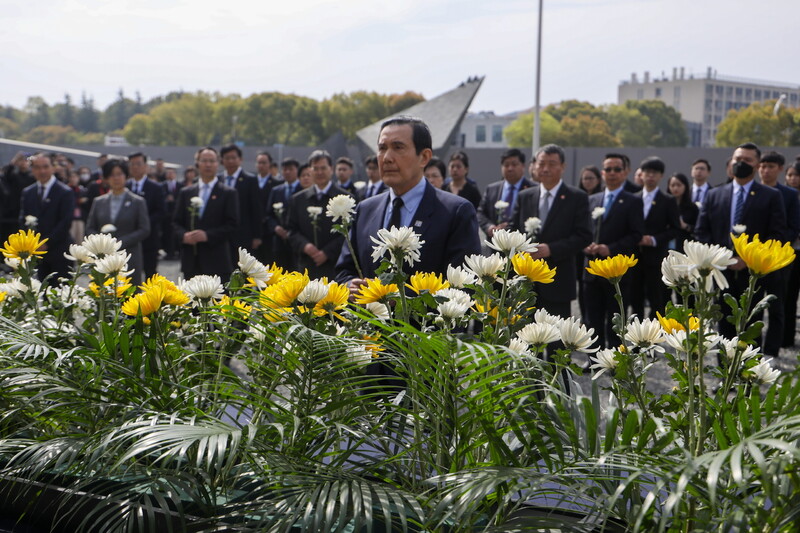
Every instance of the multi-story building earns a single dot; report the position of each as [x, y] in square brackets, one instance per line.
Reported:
[703, 101]
[484, 130]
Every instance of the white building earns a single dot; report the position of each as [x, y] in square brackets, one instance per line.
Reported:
[703, 101]
[484, 130]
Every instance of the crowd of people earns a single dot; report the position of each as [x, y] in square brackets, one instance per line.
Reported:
[277, 214]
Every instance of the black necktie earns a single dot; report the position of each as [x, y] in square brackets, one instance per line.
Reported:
[41, 192]
[397, 207]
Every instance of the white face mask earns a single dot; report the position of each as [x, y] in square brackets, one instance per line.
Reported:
[85, 175]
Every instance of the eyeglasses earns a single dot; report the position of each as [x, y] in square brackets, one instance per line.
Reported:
[613, 169]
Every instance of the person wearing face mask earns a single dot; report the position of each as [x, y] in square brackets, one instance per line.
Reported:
[743, 202]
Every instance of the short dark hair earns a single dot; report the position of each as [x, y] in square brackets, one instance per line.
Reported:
[460, 156]
[290, 162]
[626, 161]
[301, 168]
[50, 157]
[138, 154]
[653, 163]
[346, 160]
[187, 170]
[420, 133]
[552, 149]
[706, 163]
[512, 152]
[111, 164]
[264, 152]
[773, 157]
[231, 148]
[203, 149]
[795, 165]
[438, 163]
[316, 155]
[751, 146]
[70, 160]
[370, 160]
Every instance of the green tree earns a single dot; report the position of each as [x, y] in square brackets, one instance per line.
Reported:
[52, 134]
[573, 108]
[8, 128]
[584, 130]
[520, 132]
[137, 130]
[631, 127]
[351, 112]
[88, 116]
[399, 102]
[65, 112]
[117, 114]
[666, 124]
[758, 123]
[37, 113]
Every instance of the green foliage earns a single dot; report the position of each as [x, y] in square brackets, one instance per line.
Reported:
[758, 123]
[520, 132]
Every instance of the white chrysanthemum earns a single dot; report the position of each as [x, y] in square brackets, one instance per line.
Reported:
[453, 309]
[277, 206]
[313, 292]
[511, 242]
[455, 295]
[764, 373]
[101, 244]
[342, 206]
[541, 316]
[459, 277]
[738, 229]
[359, 354]
[500, 205]
[359, 185]
[677, 269]
[31, 221]
[15, 288]
[14, 262]
[645, 334]
[598, 212]
[576, 337]
[677, 341]
[381, 311]
[483, 266]
[79, 254]
[532, 225]
[396, 241]
[518, 347]
[728, 348]
[539, 333]
[605, 361]
[314, 211]
[203, 287]
[257, 334]
[114, 265]
[196, 202]
[710, 259]
[253, 268]
[108, 228]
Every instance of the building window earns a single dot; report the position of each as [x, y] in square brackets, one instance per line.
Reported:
[758, 94]
[708, 104]
[776, 95]
[658, 92]
[793, 98]
[480, 133]
[748, 94]
[640, 94]
[497, 133]
[720, 90]
[709, 89]
[729, 92]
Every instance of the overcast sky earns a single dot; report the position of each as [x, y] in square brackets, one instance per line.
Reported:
[317, 48]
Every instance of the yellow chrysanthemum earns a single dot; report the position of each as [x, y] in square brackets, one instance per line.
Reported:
[533, 269]
[3, 295]
[146, 303]
[611, 268]
[373, 346]
[285, 292]
[172, 295]
[277, 274]
[175, 297]
[123, 284]
[335, 299]
[670, 325]
[763, 257]
[427, 281]
[375, 291]
[228, 306]
[493, 312]
[23, 244]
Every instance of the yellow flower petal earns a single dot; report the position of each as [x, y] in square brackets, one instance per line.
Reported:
[611, 268]
[763, 257]
[375, 291]
[427, 281]
[533, 269]
[23, 244]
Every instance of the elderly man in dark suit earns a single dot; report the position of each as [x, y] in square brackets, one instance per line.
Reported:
[155, 196]
[53, 204]
[565, 227]
[251, 212]
[315, 245]
[661, 225]
[617, 231]
[512, 169]
[742, 202]
[204, 227]
[446, 223]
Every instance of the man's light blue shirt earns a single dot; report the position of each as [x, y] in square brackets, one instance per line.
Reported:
[411, 201]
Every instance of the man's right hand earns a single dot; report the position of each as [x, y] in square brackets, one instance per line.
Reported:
[355, 285]
[490, 231]
[281, 232]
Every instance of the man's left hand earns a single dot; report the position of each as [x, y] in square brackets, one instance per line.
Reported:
[542, 251]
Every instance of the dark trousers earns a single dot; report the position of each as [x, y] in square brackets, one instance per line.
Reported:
[600, 308]
[560, 308]
[775, 284]
[790, 304]
[644, 282]
[738, 281]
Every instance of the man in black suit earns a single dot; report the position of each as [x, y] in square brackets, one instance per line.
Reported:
[315, 245]
[661, 224]
[277, 214]
[630, 186]
[13, 179]
[445, 222]
[266, 182]
[251, 212]
[344, 174]
[53, 204]
[618, 231]
[742, 202]
[375, 184]
[205, 231]
[155, 197]
[512, 169]
[171, 189]
[701, 170]
[565, 227]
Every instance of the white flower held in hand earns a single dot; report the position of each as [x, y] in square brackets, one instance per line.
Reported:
[341, 206]
[108, 228]
[314, 211]
[738, 229]
[500, 205]
[277, 206]
[532, 225]
[359, 185]
[396, 241]
[196, 202]
[511, 242]
[31, 221]
[598, 212]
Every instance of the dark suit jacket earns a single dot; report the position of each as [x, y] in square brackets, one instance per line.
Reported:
[219, 221]
[622, 228]
[487, 214]
[792, 204]
[362, 194]
[470, 191]
[155, 198]
[251, 210]
[566, 231]
[446, 222]
[171, 196]
[764, 214]
[301, 231]
[55, 215]
[662, 222]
